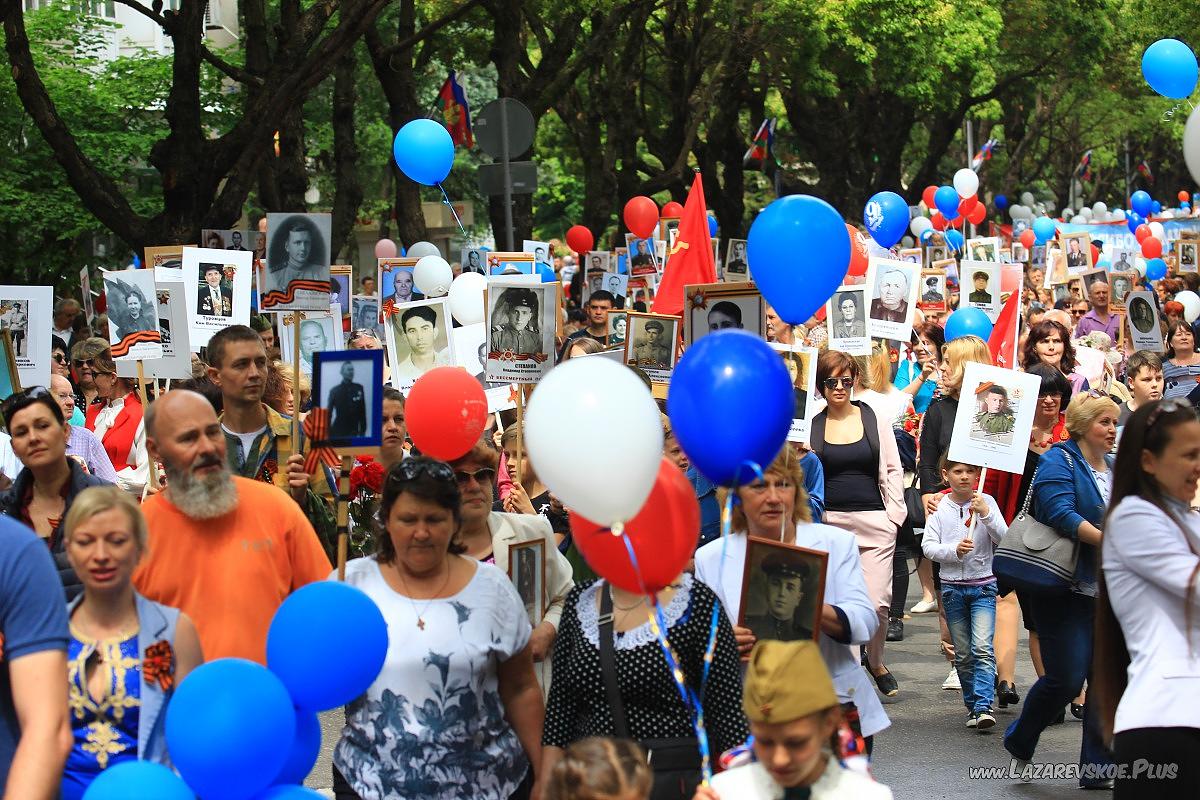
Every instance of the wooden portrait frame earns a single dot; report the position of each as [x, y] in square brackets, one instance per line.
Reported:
[1113, 277]
[516, 550]
[8, 362]
[1193, 247]
[638, 320]
[700, 297]
[1085, 248]
[817, 564]
[931, 307]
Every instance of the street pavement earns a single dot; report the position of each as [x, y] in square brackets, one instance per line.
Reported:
[927, 753]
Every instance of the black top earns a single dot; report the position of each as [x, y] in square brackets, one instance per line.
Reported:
[851, 477]
[558, 519]
[578, 707]
[936, 428]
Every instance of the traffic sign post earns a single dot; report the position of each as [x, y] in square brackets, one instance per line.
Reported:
[505, 127]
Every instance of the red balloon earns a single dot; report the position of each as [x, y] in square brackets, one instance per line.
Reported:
[1028, 237]
[819, 314]
[446, 412]
[927, 197]
[957, 222]
[977, 214]
[663, 535]
[1183, 196]
[1151, 247]
[580, 239]
[1142, 231]
[672, 210]
[858, 253]
[966, 205]
[641, 216]
[1095, 255]
[939, 222]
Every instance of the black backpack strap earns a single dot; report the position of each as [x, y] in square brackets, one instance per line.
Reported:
[608, 663]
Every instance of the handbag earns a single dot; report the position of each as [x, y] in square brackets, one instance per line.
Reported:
[1034, 558]
[676, 761]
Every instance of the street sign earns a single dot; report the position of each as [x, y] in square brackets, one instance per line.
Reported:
[524, 177]
[500, 119]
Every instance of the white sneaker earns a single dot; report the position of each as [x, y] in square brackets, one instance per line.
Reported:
[924, 607]
[951, 683]
[972, 720]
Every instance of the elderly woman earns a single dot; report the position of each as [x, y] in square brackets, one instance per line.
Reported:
[1181, 368]
[117, 421]
[776, 509]
[1049, 342]
[1070, 493]
[127, 654]
[863, 487]
[457, 705]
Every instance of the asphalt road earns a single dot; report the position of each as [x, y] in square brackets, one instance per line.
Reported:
[927, 752]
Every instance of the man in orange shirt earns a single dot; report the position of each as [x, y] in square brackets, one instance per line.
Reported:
[224, 549]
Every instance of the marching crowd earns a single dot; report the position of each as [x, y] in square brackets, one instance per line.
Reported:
[148, 537]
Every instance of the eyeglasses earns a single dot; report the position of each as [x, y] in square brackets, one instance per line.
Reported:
[80, 363]
[25, 397]
[413, 468]
[483, 477]
[1078, 312]
[844, 382]
[357, 332]
[1169, 406]
[59, 358]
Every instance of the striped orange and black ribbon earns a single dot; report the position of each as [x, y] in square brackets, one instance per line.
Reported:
[126, 344]
[316, 429]
[276, 297]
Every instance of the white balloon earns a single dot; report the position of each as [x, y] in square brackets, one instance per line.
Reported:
[422, 249]
[907, 241]
[1026, 198]
[1099, 208]
[919, 225]
[1079, 220]
[1191, 305]
[433, 276]
[1139, 264]
[966, 182]
[1191, 144]
[1156, 228]
[1116, 215]
[1085, 213]
[595, 388]
[466, 298]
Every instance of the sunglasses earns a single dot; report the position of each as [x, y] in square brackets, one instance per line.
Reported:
[1078, 313]
[413, 468]
[844, 382]
[59, 358]
[483, 476]
[1170, 406]
[81, 363]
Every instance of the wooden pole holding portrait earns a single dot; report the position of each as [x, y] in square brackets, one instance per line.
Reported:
[141, 382]
[296, 317]
[520, 430]
[343, 515]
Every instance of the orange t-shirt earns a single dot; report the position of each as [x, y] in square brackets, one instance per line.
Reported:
[230, 574]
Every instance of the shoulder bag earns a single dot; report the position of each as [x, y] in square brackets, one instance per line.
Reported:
[1034, 558]
[675, 762]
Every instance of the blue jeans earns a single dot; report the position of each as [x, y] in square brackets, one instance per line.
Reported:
[971, 618]
[1064, 626]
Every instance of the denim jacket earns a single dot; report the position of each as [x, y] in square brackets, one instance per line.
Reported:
[1064, 495]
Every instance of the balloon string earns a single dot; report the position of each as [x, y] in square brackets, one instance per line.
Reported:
[446, 200]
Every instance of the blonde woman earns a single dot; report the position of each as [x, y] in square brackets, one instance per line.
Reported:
[599, 768]
[875, 385]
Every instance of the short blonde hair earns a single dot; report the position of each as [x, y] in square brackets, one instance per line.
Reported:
[786, 465]
[1084, 409]
[98, 499]
[958, 353]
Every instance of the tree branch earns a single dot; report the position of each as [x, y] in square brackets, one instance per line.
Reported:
[223, 66]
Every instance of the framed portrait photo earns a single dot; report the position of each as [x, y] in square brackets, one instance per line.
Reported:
[736, 266]
[936, 253]
[339, 286]
[1078, 250]
[133, 332]
[643, 255]
[1019, 254]
[348, 385]
[783, 590]
[983, 249]
[171, 304]
[801, 363]
[650, 344]
[1142, 315]
[296, 277]
[1000, 405]
[1187, 255]
[597, 261]
[527, 571]
[934, 298]
[912, 255]
[320, 331]
[539, 250]
[521, 320]
[474, 259]
[504, 263]
[1123, 260]
[894, 287]
[10, 378]
[217, 286]
[396, 283]
[846, 318]
[982, 286]
[364, 314]
[618, 327]
[713, 307]
[1120, 284]
[418, 340]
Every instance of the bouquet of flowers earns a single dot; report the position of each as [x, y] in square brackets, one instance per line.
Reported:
[366, 487]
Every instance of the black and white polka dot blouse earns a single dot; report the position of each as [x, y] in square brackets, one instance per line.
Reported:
[578, 706]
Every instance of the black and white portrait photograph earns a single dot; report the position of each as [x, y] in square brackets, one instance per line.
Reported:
[418, 339]
[801, 364]
[527, 571]
[846, 316]
[1078, 248]
[364, 314]
[650, 344]
[981, 286]
[521, 321]
[213, 239]
[1037, 255]
[984, 249]
[217, 286]
[995, 418]
[1121, 284]
[539, 250]
[720, 306]
[618, 326]
[133, 331]
[910, 254]
[470, 353]
[736, 267]
[237, 240]
[1187, 255]
[934, 298]
[935, 253]
[643, 255]
[25, 314]
[1124, 260]
[298, 260]
[505, 263]
[1019, 254]
[596, 261]
[783, 591]
[474, 259]
[894, 289]
[1144, 329]
[346, 386]
[339, 286]
[1093, 276]
[176, 361]
[320, 332]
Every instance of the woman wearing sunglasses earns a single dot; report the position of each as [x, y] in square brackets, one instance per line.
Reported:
[1147, 673]
[43, 491]
[117, 422]
[863, 488]
[457, 705]
[487, 535]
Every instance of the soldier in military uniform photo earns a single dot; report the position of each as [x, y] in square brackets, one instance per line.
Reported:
[519, 331]
[787, 617]
[994, 418]
[347, 406]
[652, 350]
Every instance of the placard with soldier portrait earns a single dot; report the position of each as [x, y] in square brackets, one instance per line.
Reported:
[474, 259]
[320, 331]
[650, 344]
[418, 340]
[712, 307]
[217, 291]
[1120, 285]
[1078, 251]
[985, 248]
[521, 320]
[1145, 331]
[981, 286]
[296, 276]
[347, 387]
[934, 295]
[506, 263]
[783, 591]
[396, 283]
[801, 365]
[176, 361]
[643, 255]
[133, 332]
[736, 267]
[527, 571]
[25, 312]
[1187, 255]
[996, 410]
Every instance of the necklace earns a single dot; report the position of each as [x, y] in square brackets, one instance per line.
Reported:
[421, 614]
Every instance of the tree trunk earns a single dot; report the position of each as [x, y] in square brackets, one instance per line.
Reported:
[348, 194]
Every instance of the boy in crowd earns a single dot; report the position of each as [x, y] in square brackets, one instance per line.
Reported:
[1144, 377]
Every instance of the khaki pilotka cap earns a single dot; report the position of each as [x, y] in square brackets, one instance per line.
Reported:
[786, 681]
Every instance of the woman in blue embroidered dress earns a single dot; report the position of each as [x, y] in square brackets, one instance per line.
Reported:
[456, 712]
[127, 653]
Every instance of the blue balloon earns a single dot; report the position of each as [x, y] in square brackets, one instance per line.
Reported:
[327, 644]
[1156, 269]
[1185, 207]
[424, 151]
[230, 726]
[1142, 202]
[138, 780]
[1155, 207]
[289, 793]
[1000, 201]
[968, 322]
[954, 240]
[926, 235]
[1043, 229]
[1132, 220]
[798, 223]
[886, 216]
[547, 272]
[946, 199]
[1169, 66]
[724, 370]
[306, 746]
[712, 225]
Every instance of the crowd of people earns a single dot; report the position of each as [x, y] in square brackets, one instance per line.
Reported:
[147, 536]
